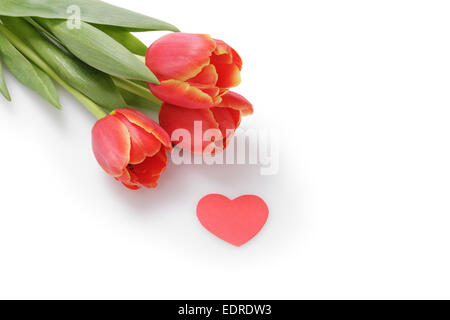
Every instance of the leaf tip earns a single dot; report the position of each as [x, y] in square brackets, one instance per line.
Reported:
[174, 29]
[56, 104]
[150, 77]
[6, 95]
[155, 81]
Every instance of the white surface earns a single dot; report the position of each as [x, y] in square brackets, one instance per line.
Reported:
[360, 208]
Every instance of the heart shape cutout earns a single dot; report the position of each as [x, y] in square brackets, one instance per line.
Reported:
[234, 221]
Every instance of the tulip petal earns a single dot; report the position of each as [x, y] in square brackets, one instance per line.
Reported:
[128, 178]
[179, 56]
[182, 94]
[143, 144]
[131, 186]
[173, 118]
[111, 145]
[228, 120]
[229, 74]
[206, 78]
[235, 101]
[223, 53]
[222, 48]
[226, 54]
[213, 92]
[149, 144]
[149, 171]
[237, 60]
[141, 120]
[228, 64]
[137, 154]
[223, 92]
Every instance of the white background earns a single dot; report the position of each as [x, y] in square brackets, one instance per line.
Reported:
[359, 209]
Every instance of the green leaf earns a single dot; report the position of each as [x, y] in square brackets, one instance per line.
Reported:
[96, 85]
[99, 50]
[27, 73]
[135, 101]
[125, 38]
[49, 86]
[3, 88]
[93, 11]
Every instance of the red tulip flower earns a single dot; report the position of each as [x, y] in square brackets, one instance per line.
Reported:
[195, 70]
[131, 147]
[224, 119]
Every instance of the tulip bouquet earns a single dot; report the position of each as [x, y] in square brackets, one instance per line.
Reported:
[87, 47]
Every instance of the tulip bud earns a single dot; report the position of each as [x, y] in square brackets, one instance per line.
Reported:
[195, 71]
[131, 147]
[225, 119]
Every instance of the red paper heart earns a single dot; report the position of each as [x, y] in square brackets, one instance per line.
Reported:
[235, 221]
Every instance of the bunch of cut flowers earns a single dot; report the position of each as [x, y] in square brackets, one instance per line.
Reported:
[89, 48]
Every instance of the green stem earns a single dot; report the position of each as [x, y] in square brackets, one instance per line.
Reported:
[37, 60]
[136, 89]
